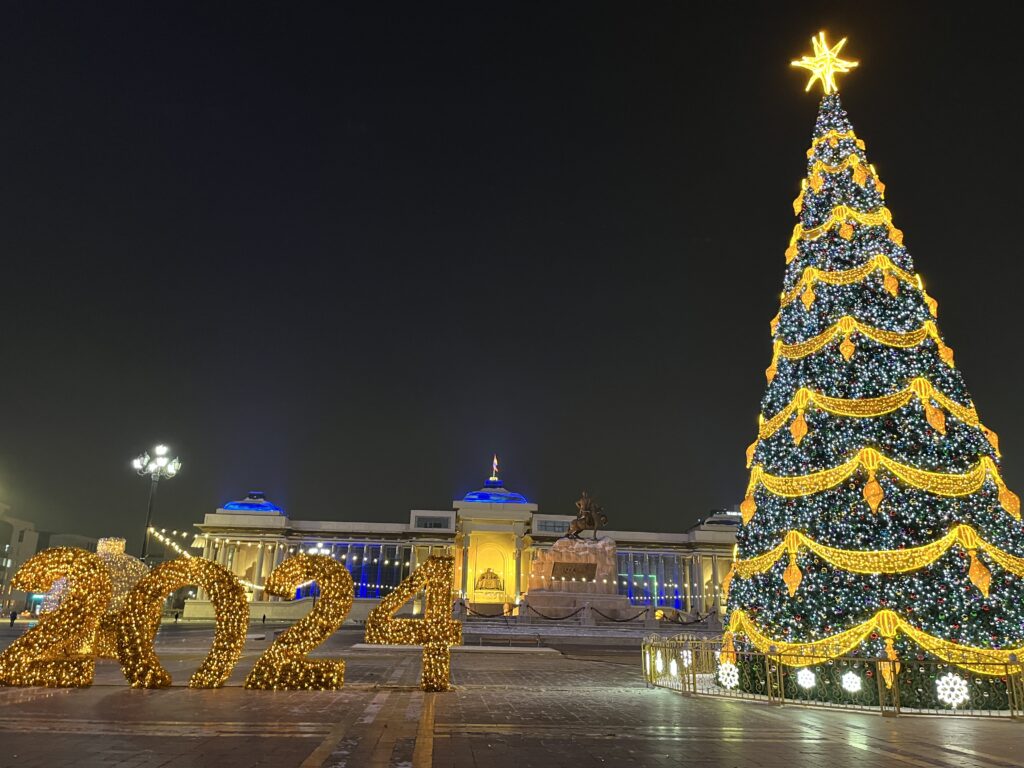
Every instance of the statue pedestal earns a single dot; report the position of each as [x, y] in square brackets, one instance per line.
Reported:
[575, 573]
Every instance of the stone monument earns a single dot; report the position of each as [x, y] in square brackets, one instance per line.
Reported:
[577, 571]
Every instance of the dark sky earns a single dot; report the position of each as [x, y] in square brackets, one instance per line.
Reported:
[343, 255]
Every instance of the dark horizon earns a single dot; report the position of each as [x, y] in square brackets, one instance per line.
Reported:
[343, 255]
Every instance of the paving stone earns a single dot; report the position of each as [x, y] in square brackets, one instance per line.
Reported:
[586, 707]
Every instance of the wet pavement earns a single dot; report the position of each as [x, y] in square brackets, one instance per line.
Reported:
[583, 707]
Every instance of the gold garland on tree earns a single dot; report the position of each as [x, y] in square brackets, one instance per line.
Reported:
[939, 483]
[841, 216]
[881, 561]
[891, 277]
[887, 623]
[844, 328]
[870, 407]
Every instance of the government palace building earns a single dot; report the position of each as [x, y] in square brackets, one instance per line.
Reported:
[494, 535]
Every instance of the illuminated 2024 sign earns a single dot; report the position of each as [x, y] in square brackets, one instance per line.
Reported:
[61, 650]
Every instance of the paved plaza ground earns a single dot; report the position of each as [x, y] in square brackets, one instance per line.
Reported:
[576, 707]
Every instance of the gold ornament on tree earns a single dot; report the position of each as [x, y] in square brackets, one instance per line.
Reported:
[860, 174]
[798, 429]
[891, 284]
[807, 297]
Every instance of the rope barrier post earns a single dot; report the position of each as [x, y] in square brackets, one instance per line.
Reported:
[524, 612]
[650, 622]
[587, 620]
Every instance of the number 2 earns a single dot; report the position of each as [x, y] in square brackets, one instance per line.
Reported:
[58, 651]
[285, 664]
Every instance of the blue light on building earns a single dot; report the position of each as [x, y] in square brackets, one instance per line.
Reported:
[494, 492]
[256, 501]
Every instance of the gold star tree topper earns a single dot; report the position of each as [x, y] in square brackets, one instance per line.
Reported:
[825, 64]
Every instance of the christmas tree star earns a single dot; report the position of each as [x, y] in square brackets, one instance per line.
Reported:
[825, 64]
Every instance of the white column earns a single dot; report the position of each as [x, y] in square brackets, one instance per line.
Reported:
[697, 577]
[518, 556]
[465, 565]
[279, 558]
[258, 573]
[684, 579]
[715, 584]
[207, 555]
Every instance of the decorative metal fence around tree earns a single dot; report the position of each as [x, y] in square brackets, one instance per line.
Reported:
[696, 667]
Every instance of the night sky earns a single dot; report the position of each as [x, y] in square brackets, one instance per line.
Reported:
[344, 255]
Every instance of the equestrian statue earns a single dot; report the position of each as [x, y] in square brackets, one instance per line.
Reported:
[589, 517]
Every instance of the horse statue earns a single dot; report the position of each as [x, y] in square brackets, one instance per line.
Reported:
[589, 517]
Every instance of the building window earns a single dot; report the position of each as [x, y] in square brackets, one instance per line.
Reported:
[433, 522]
[551, 526]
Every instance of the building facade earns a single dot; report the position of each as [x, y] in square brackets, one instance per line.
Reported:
[20, 540]
[494, 535]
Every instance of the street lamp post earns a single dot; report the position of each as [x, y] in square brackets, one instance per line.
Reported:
[155, 467]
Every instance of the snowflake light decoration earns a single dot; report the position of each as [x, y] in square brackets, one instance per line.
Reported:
[687, 656]
[659, 663]
[673, 668]
[952, 690]
[805, 678]
[851, 682]
[728, 675]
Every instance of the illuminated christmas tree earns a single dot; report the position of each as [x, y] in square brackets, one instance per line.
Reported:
[876, 522]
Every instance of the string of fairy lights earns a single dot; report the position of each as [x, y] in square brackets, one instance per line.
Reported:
[168, 541]
[659, 589]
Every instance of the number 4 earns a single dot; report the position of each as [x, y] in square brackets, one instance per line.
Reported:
[437, 631]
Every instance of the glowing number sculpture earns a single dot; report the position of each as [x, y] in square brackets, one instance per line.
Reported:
[436, 631]
[138, 621]
[285, 664]
[58, 651]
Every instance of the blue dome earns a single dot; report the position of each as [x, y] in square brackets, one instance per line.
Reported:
[256, 501]
[494, 492]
